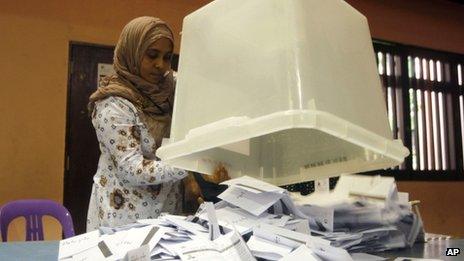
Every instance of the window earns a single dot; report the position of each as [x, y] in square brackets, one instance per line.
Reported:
[423, 91]
[424, 98]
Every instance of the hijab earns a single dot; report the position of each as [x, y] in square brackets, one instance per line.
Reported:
[153, 101]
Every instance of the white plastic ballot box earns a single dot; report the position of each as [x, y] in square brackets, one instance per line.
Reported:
[284, 91]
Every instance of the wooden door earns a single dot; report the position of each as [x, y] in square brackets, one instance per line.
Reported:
[82, 151]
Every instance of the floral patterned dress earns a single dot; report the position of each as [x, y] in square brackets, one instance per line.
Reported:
[130, 183]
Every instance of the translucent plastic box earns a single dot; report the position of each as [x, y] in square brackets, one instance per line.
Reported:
[282, 90]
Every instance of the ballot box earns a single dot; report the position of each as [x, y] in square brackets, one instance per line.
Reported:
[282, 91]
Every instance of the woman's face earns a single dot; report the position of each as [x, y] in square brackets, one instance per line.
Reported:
[156, 61]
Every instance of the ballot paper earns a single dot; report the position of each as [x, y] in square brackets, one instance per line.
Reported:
[227, 247]
[139, 254]
[318, 199]
[254, 203]
[292, 208]
[302, 226]
[285, 237]
[266, 249]
[213, 225]
[172, 247]
[165, 258]
[235, 219]
[71, 246]
[233, 247]
[121, 242]
[161, 251]
[192, 228]
[153, 236]
[253, 185]
[112, 230]
[155, 222]
[328, 252]
[370, 187]
[96, 253]
[322, 217]
[175, 236]
[279, 220]
[301, 253]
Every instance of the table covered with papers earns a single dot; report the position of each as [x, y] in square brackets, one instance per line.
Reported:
[257, 220]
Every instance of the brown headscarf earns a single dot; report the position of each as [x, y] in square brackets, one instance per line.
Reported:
[154, 101]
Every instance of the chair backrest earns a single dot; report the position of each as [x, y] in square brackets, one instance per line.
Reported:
[33, 210]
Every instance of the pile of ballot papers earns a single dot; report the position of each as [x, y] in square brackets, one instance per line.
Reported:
[257, 220]
[362, 213]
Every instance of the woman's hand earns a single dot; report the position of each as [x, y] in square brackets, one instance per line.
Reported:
[193, 194]
[219, 175]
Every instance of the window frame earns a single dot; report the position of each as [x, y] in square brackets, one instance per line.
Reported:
[405, 83]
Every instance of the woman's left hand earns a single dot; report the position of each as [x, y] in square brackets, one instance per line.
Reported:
[192, 194]
[219, 175]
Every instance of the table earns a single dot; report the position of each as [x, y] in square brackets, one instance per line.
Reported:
[32, 250]
[48, 250]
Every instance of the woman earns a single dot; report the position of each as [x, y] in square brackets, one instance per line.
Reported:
[131, 114]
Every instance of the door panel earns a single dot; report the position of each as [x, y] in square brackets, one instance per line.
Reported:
[82, 151]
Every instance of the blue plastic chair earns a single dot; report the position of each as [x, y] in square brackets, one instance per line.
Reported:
[33, 210]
